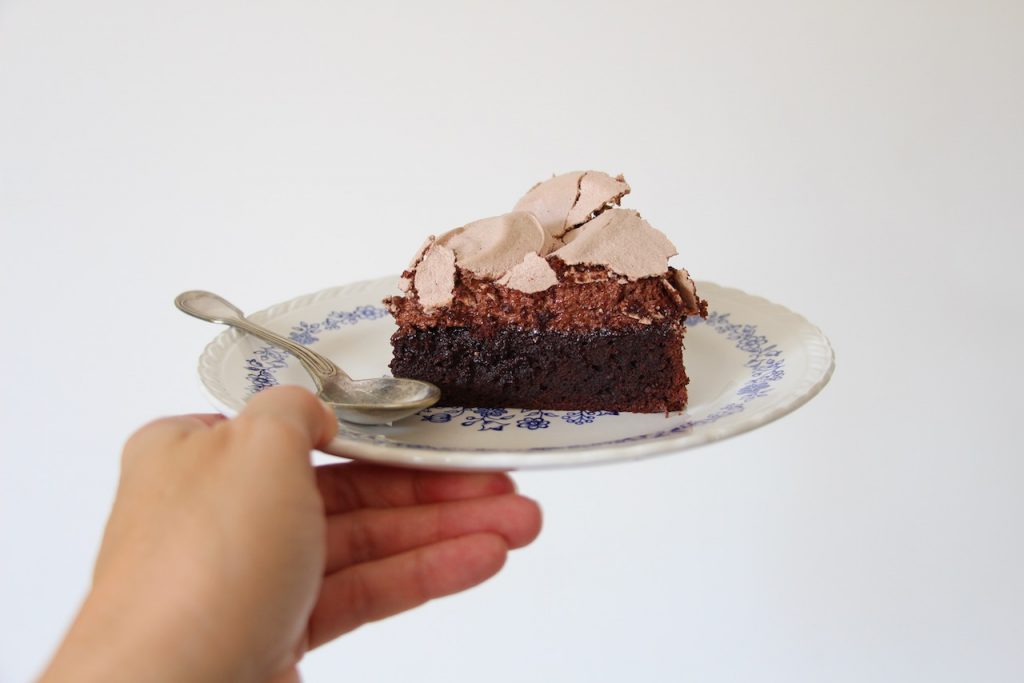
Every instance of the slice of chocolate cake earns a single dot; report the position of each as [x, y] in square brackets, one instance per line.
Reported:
[564, 303]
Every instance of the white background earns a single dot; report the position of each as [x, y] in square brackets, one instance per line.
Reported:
[860, 162]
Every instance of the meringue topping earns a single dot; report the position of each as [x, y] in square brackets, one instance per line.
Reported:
[435, 277]
[568, 200]
[493, 246]
[532, 274]
[569, 217]
[623, 242]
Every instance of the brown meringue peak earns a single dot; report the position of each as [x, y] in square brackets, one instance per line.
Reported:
[532, 274]
[493, 246]
[435, 277]
[687, 289]
[404, 283]
[568, 200]
[622, 241]
[598, 191]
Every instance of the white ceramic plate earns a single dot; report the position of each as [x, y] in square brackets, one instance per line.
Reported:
[750, 362]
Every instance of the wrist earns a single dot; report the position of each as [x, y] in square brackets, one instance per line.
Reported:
[116, 639]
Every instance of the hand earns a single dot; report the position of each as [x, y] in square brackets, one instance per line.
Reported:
[227, 555]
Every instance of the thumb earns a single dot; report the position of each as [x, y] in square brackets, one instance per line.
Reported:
[296, 407]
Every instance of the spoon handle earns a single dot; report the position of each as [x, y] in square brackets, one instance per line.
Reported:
[215, 309]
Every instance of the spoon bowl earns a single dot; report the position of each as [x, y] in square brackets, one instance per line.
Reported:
[381, 400]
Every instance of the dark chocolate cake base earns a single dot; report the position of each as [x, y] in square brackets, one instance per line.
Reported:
[630, 370]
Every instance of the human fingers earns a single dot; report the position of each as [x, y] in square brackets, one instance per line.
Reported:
[351, 486]
[371, 534]
[375, 590]
[292, 414]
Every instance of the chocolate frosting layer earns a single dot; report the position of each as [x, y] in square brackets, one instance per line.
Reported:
[585, 298]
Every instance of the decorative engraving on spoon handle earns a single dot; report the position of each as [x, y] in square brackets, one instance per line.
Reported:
[216, 309]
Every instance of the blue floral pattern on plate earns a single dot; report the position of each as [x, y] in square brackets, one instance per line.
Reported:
[260, 367]
[496, 419]
[306, 333]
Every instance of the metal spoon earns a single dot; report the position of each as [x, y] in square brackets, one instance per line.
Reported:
[364, 401]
